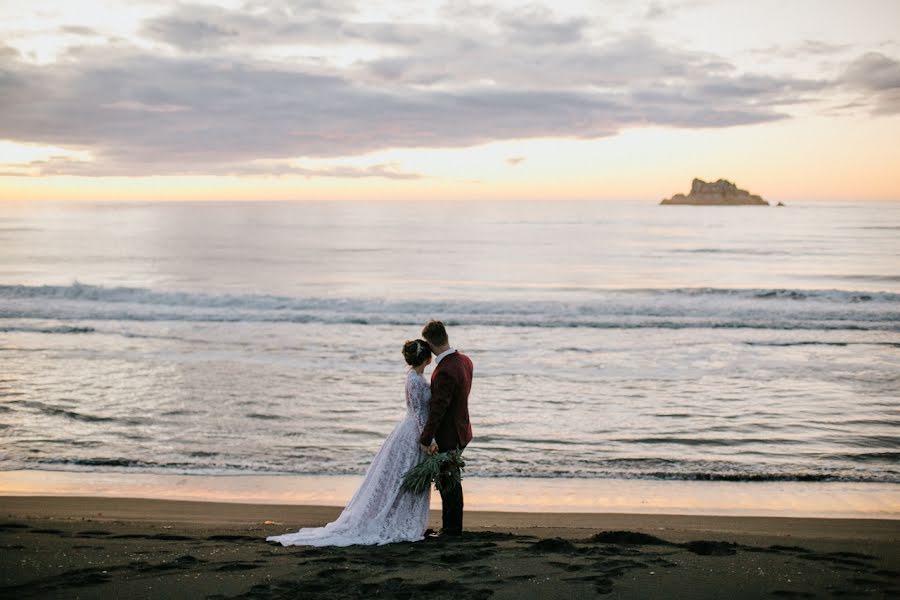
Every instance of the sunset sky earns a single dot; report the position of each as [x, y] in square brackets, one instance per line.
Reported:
[279, 99]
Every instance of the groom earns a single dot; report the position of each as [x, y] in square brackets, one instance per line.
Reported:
[448, 426]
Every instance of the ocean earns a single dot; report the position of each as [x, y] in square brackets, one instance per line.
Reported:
[611, 340]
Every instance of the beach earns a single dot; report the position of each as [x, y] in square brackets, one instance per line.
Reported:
[90, 547]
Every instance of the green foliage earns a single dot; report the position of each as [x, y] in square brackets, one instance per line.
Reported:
[444, 469]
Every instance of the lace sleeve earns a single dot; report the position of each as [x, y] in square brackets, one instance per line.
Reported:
[417, 395]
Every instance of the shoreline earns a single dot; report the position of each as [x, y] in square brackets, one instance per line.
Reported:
[527, 495]
[202, 514]
[93, 547]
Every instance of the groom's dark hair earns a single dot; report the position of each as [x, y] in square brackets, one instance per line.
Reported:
[435, 334]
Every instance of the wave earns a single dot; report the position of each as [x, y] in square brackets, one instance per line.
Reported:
[815, 343]
[673, 308]
[81, 291]
[890, 457]
[745, 251]
[706, 441]
[106, 464]
[48, 329]
[73, 415]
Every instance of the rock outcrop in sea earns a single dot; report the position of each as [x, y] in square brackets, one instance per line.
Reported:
[719, 193]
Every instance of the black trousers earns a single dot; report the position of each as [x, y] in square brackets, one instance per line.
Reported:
[451, 502]
[452, 508]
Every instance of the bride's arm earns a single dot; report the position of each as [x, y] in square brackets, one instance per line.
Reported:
[416, 397]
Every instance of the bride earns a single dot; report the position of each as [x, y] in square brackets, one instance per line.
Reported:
[379, 512]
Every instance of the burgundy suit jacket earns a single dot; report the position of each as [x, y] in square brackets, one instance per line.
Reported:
[448, 414]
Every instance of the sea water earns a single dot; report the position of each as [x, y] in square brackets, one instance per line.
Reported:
[611, 340]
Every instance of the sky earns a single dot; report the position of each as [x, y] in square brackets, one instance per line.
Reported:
[321, 100]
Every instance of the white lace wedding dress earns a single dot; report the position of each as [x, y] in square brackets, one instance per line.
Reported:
[379, 512]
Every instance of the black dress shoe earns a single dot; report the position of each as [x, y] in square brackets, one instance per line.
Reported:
[448, 533]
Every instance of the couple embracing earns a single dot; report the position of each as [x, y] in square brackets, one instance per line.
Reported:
[437, 419]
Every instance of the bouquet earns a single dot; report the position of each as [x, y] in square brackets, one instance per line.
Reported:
[444, 469]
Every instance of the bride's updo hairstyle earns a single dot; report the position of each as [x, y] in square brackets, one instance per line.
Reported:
[415, 352]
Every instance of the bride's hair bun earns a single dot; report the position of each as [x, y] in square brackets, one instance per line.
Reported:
[415, 352]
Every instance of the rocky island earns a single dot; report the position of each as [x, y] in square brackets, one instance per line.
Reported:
[719, 193]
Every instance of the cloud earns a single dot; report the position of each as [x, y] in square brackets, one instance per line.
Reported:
[192, 33]
[203, 27]
[777, 90]
[79, 30]
[659, 10]
[878, 77]
[873, 71]
[63, 165]
[514, 160]
[819, 47]
[200, 27]
[538, 25]
[383, 171]
[205, 107]
[144, 107]
[803, 48]
[8, 53]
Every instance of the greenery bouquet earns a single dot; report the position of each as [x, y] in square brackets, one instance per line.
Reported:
[444, 469]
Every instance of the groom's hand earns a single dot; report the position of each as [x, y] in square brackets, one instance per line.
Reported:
[429, 449]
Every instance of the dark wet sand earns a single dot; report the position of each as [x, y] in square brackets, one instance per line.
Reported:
[65, 547]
